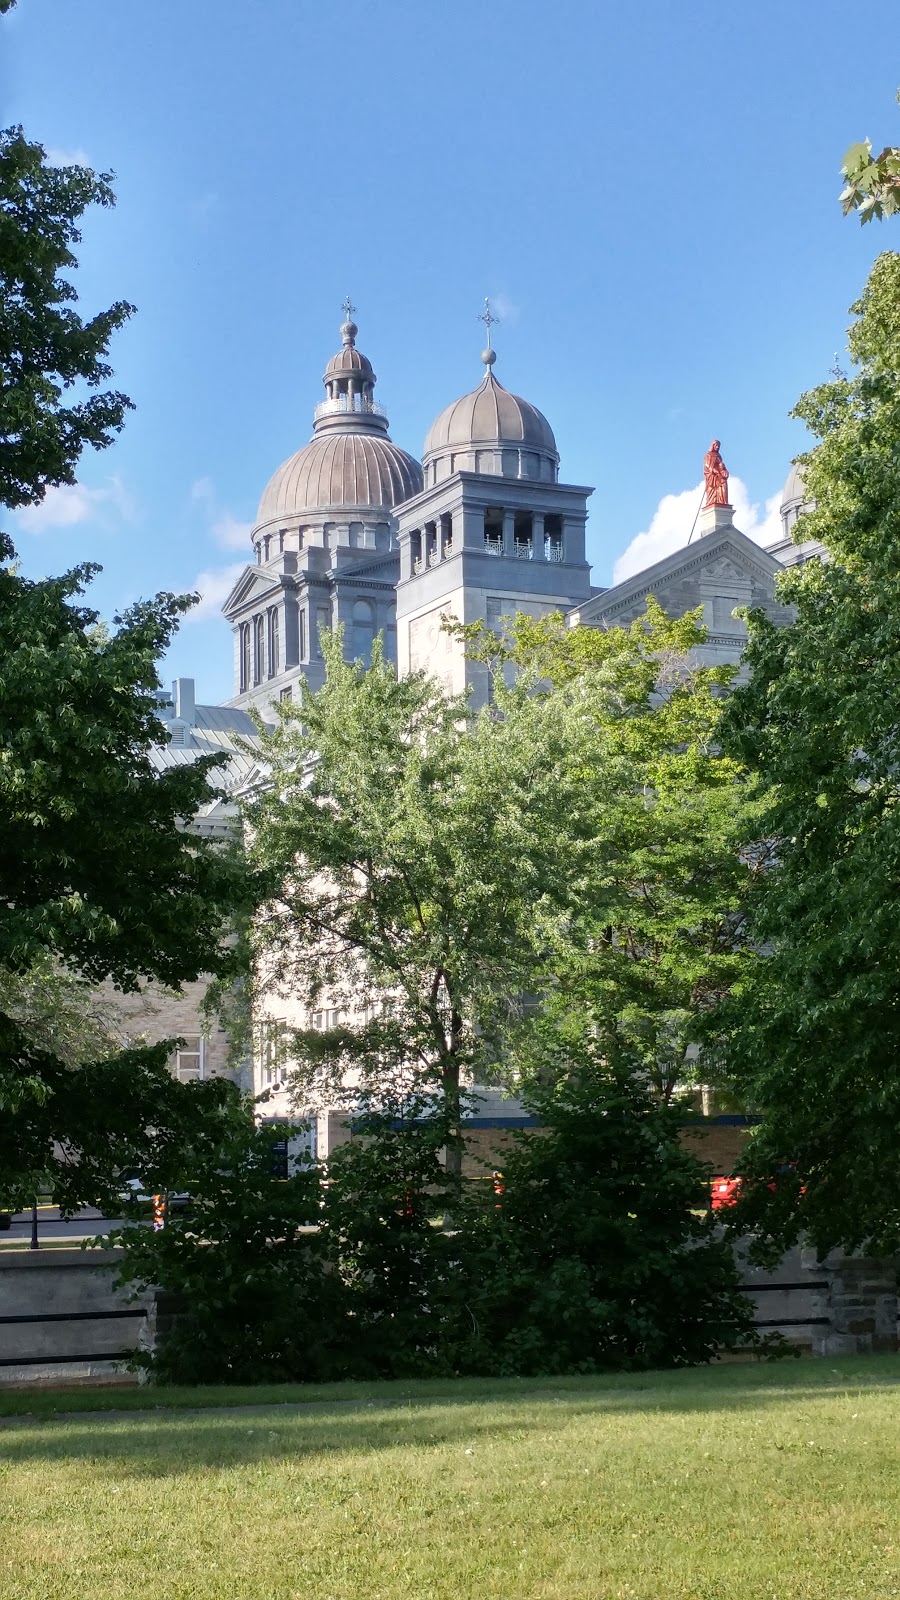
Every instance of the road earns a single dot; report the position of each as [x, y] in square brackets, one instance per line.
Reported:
[52, 1229]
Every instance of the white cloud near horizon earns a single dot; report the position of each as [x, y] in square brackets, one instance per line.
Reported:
[232, 534]
[213, 588]
[214, 584]
[671, 523]
[67, 504]
[67, 158]
[228, 531]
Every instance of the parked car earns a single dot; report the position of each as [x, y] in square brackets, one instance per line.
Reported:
[724, 1192]
[133, 1188]
[5, 1221]
[727, 1191]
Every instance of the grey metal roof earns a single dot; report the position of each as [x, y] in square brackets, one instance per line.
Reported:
[489, 415]
[795, 489]
[349, 360]
[215, 730]
[341, 471]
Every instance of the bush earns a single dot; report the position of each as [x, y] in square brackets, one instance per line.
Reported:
[595, 1258]
[256, 1303]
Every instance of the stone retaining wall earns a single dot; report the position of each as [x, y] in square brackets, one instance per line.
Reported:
[62, 1320]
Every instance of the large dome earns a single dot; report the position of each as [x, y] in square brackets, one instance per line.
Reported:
[340, 471]
[489, 415]
[351, 465]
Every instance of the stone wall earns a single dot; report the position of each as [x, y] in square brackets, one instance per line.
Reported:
[158, 1013]
[62, 1320]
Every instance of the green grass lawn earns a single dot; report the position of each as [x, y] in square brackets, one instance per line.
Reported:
[736, 1483]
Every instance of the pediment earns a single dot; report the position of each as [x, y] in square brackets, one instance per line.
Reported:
[253, 584]
[726, 556]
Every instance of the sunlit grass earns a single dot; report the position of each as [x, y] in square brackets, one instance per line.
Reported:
[752, 1482]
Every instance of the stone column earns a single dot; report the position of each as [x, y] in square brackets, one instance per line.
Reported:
[509, 533]
[862, 1304]
[537, 536]
[473, 528]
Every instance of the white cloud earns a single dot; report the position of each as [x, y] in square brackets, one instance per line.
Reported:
[503, 308]
[672, 521]
[228, 531]
[213, 589]
[66, 505]
[67, 158]
[203, 490]
[231, 534]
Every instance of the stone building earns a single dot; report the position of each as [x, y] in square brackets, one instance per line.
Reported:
[156, 1013]
[352, 529]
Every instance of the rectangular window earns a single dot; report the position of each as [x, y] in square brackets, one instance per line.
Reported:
[323, 624]
[270, 1053]
[286, 694]
[189, 1059]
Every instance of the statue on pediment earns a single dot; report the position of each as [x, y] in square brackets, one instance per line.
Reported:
[715, 476]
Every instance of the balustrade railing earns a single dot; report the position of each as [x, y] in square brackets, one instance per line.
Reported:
[348, 405]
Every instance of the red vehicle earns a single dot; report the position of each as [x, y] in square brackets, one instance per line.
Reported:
[724, 1192]
[727, 1191]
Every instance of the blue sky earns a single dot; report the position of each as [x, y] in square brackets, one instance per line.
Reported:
[648, 192]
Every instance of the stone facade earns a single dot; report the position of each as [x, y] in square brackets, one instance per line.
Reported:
[353, 530]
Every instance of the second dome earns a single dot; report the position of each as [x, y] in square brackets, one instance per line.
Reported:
[492, 431]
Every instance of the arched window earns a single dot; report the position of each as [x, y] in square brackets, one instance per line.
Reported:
[273, 642]
[244, 654]
[259, 649]
[362, 631]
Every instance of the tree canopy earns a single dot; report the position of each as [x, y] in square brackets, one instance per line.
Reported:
[872, 186]
[100, 875]
[655, 935]
[415, 857]
[46, 349]
[814, 1032]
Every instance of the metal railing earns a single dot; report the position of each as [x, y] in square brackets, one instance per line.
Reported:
[347, 405]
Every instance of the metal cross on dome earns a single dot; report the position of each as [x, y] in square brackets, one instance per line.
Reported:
[348, 309]
[488, 318]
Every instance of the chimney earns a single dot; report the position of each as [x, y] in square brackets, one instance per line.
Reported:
[183, 700]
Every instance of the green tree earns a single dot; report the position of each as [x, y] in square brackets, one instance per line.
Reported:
[872, 186]
[415, 857]
[814, 1034]
[655, 935]
[99, 877]
[46, 349]
[600, 1253]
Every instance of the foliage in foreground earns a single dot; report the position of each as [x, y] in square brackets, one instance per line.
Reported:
[814, 1034]
[99, 877]
[591, 1258]
[655, 933]
[46, 349]
[872, 187]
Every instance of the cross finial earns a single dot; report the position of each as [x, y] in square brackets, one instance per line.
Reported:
[348, 308]
[488, 318]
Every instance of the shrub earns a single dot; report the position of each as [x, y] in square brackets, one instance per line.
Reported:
[597, 1256]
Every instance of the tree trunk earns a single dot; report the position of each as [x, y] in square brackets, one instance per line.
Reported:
[452, 1107]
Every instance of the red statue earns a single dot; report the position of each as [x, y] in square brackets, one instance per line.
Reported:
[715, 474]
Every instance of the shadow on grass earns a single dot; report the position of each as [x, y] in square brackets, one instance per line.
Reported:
[169, 1442]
